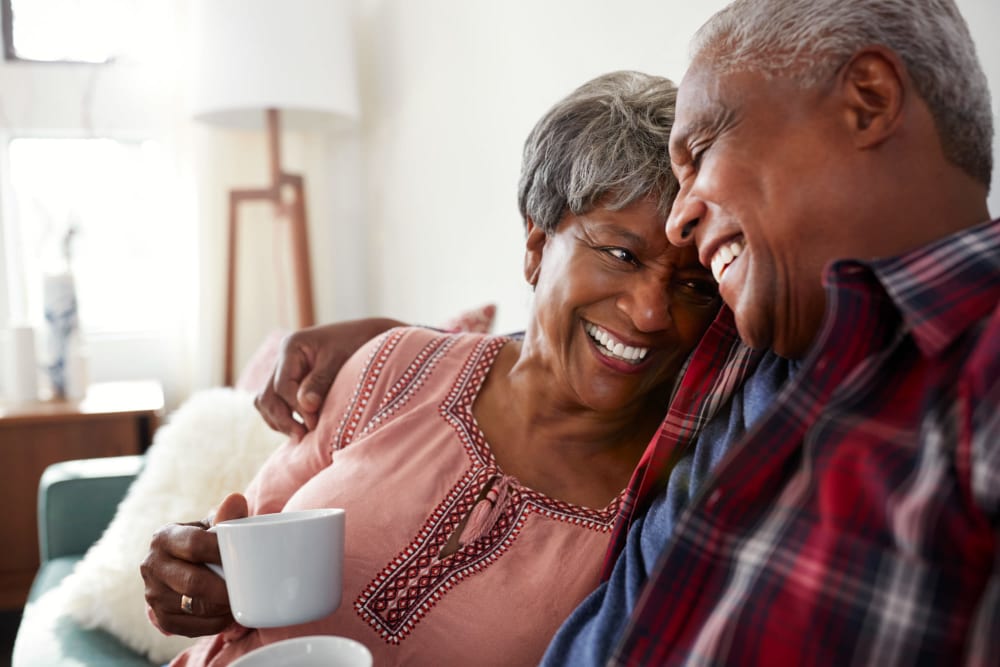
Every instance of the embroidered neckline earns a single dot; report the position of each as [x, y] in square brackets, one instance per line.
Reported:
[409, 586]
[457, 410]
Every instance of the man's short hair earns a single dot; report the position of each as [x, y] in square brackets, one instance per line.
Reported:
[809, 40]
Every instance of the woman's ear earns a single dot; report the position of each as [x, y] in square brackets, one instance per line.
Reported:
[534, 246]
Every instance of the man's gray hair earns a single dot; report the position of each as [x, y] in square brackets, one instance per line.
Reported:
[603, 145]
[809, 40]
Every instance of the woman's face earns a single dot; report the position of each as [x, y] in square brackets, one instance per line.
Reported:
[617, 308]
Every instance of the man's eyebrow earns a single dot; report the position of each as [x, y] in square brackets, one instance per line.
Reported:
[679, 138]
[678, 145]
[709, 121]
[679, 148]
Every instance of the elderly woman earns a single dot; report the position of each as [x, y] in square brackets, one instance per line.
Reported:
[481, 475]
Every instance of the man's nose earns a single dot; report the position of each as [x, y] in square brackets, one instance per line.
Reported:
[684, 217]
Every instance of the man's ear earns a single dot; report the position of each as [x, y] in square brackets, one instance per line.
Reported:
[534, 245]
[874, 83]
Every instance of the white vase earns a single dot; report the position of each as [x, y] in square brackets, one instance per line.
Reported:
[62, 325]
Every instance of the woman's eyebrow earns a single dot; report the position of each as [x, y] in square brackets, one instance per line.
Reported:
[622, 233]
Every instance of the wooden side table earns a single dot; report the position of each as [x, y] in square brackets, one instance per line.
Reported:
[113, 419]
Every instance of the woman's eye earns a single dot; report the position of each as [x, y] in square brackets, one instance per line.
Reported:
[621, 254]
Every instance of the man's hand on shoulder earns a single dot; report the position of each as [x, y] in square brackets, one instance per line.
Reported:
[308, 361]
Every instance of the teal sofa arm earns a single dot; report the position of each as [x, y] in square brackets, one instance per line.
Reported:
[77, 500]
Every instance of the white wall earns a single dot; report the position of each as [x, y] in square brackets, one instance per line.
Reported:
[452, 88]
[413, 214]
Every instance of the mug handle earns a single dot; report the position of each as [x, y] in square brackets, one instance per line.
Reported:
[212, 566]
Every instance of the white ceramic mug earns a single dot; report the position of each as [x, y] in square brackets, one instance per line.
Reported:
[282, 569]
[313, 651]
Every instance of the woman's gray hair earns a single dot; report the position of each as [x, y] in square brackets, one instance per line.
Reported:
[603, 145]
[809, 40]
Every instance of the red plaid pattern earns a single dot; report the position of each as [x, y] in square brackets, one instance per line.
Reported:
[857, 523]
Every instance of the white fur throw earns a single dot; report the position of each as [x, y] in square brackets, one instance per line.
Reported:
[212, 445]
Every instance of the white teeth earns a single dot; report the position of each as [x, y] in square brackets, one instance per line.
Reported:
[613, 348]
[724, 256]
[717, 266]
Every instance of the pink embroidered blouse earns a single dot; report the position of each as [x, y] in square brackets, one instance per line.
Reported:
[397, 446]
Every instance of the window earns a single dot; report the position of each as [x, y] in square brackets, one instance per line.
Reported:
[96, 146]
[86, 31]
[107, 197]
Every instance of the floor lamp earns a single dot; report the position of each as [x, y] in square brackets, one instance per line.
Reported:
[276, 64]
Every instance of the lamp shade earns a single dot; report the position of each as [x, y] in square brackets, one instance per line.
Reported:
[296, 56]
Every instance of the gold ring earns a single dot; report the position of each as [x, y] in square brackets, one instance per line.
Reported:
[187, 605]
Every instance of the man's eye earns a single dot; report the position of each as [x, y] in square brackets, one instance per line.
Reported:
[699, 290]
[621, 254]
[696, 152]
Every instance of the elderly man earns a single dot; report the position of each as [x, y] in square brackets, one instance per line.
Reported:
[843, 505]
[834, 161]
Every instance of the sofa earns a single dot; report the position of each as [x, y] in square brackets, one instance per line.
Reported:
[76, 502]
[96, 516]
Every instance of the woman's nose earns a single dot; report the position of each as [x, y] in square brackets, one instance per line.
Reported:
[647, 304]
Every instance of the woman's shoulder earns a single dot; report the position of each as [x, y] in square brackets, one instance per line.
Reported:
[402, 351]
[409, 342]
[407, 366]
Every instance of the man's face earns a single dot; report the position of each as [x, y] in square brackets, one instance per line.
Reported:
[761, 195]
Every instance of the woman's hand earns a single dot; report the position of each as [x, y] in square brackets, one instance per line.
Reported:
[308, 362]
[174, 568]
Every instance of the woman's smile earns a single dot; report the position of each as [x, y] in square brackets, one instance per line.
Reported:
[612, 348]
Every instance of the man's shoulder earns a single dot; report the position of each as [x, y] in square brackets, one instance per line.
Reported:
[982, 370]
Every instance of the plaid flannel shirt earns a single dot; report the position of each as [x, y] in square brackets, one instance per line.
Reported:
[857, 522]
[717, 368]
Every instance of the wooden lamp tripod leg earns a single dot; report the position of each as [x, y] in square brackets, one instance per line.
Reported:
[227, 373]
[295, 210]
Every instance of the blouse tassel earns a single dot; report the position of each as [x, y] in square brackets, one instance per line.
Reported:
[487, 510]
